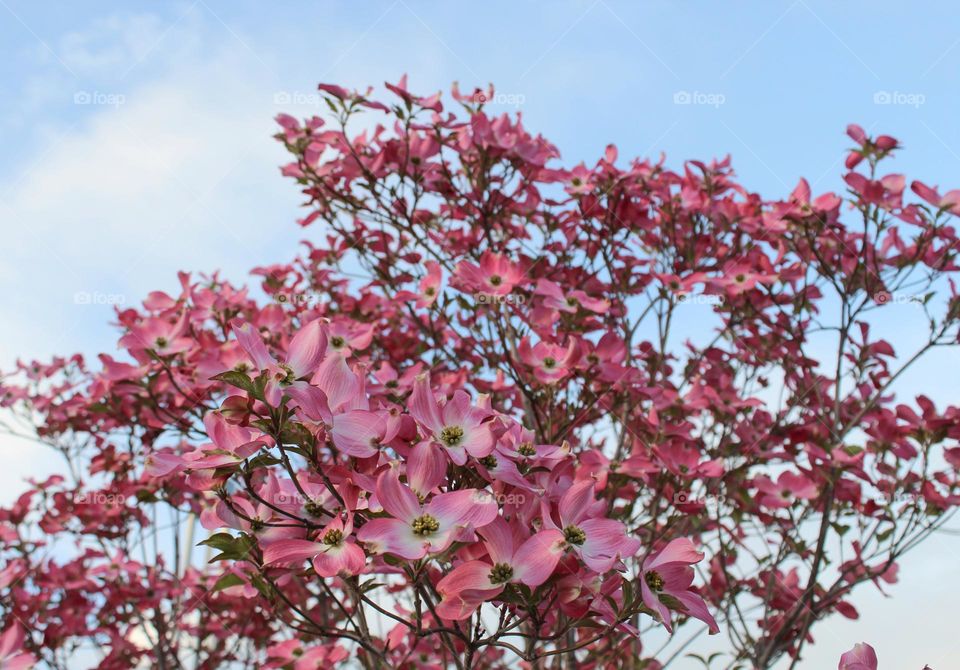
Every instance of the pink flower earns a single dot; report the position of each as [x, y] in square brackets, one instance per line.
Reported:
[599, 542]
[550, 362]
[306, 350]
[158, 335]
[345, 337]
[12, 656]
[494, 276]
[335, 554]
[430, 284]
[668, 573]
[788, 487]
[457, 426]
[861, 657]
[416, 529]
[554, 298]
[474, 582]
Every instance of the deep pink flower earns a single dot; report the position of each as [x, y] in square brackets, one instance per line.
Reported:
[554, 298]
[550, 362]
[668, 573]
[12, 656]
[494, 276]
[861, 657]
[430, 284]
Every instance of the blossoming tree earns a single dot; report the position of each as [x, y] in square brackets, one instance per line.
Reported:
[460, 431]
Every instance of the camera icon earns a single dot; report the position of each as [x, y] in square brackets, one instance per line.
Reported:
[681, 98]
[281, 98]
[681, 498]
[82, 98]
[881, 98]
[82, 298]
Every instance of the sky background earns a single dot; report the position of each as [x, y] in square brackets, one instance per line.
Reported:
[136, 143]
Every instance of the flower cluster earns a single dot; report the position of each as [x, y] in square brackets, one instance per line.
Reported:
[459, 429]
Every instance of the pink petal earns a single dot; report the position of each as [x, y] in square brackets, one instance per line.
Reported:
[423, 405]
[536, 558]
[861, 657]
[307, 349]
[426, 467]
[576, 502]
[251, 342]
[336, 380]
[289, 552]
[459, 508]
[343, 559]
[680, 550]
[392, 536]
[606, 540]
[469, 576]
[398, 500]
[355, 432]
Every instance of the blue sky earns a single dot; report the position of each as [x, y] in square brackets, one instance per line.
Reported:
[136, 143]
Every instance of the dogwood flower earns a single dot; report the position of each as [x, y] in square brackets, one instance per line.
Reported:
[336, 553]
[457, 426]
[307, 348]
[473, 582]
[417, 529]
[668, 573]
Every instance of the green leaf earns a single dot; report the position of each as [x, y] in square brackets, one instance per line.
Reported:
[238, 379]
[228, 580]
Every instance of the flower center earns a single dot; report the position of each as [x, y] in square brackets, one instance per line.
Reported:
[256, 524]
[430, 291]
[337, 341]
[572, 302]
[161, 342]
[501, 573]
[526, 449]
[287, 376]
[425, 525]
[313, 508]
[574, 535]
[488, 462]
[333, 537]
[496, 280]
[549, 362]
[653, 580]
[451, 435]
